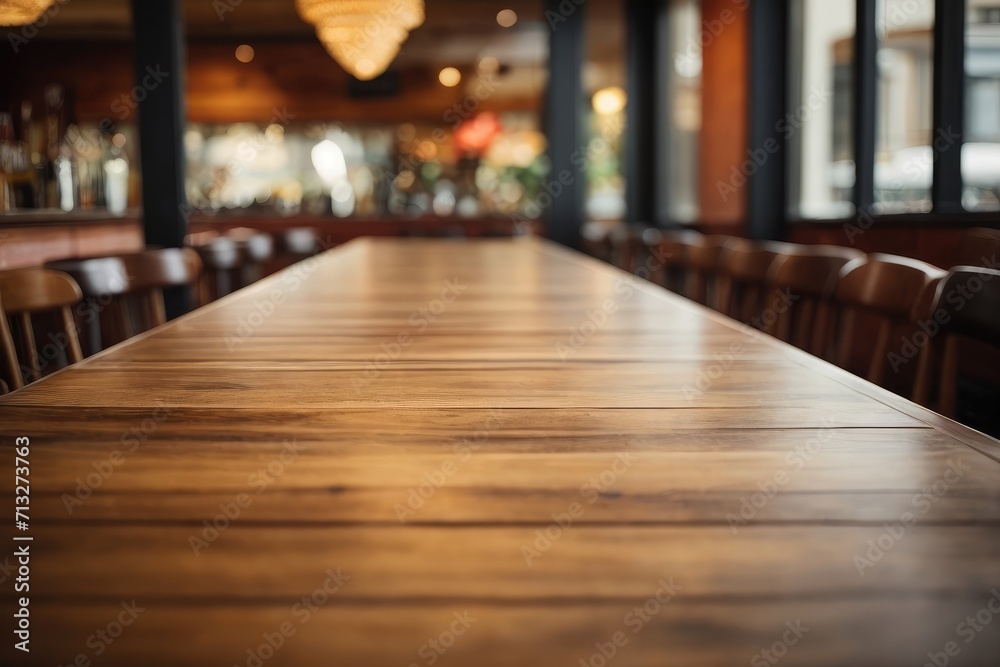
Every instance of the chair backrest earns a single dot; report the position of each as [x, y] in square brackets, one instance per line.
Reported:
[297, 242]
[26, 292]
[701, 261]
[978, 245]
[808, 278]
[153, 270]
[745, 269]
[671, 250]
[887, 286]
[966, 303]
[104, 281]
[257, 248]
[8, 355]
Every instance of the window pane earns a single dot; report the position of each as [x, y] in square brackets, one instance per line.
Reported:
[681, 59]
[981, 153]
[904, 163]
[604, 78]
[819, 129]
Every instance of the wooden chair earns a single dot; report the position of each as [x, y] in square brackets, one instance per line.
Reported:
[744, 270]
[978, 247]
[294, 245]
[809, 277]
[256, 248]
[28, 292]
[967, 312]
[153, 270]
[8, 355]
[671, 250]
[105, 315]
[221, 258]
[701, 263]
[885, 286]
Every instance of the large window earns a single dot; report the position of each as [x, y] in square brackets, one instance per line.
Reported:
[904, 161]
[682, 34]
[981, 152]
[819, 128]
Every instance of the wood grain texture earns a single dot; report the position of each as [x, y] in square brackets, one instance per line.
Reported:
[552, 444]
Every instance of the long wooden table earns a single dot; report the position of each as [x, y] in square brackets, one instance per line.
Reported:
[417, 452]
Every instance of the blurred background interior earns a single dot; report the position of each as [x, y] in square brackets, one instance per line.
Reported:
[867, 124]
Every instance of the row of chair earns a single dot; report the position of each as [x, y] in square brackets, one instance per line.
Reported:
[97, 302]
[838, 303]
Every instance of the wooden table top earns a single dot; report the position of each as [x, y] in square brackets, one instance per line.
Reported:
[431, 452]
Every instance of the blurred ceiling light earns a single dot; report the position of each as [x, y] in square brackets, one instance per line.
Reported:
[22, 12]
[364, 36]
[506, 18]
[489, 64]
[244, 53]
[609, 101]
[450, 77]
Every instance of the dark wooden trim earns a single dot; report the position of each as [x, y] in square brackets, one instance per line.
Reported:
[949, 104]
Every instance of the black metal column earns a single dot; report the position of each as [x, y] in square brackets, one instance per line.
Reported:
[159, 95]
[865, 105]
[641, 127]
[768, 72]
[949, 105]
[565, 188]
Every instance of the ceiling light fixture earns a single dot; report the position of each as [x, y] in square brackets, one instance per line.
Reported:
[22, 12]
[364, 36]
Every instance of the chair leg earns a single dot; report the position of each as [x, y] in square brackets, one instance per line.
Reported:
[949, 378]
[10, 354]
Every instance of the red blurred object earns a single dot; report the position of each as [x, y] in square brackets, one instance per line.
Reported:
[476, 135]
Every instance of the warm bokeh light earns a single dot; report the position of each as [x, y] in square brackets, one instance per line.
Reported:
[489, 64]
[244, 53]
[23, 12]
[609, 101]
[450, 77]
[506, 18]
